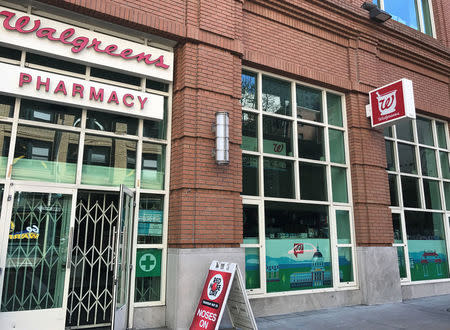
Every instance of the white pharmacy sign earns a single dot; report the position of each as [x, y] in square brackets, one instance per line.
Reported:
[40, 85]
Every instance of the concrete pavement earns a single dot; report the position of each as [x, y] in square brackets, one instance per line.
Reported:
[431, 313]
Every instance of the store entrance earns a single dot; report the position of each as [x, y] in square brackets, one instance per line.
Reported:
[90, 297]
[36, 230]
[64, 258]
[99, 277]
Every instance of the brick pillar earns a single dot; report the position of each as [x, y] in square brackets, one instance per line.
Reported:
[205, 203]
[205, 212]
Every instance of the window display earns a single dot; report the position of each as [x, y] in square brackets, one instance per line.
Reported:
[298, 180]
[418, 211]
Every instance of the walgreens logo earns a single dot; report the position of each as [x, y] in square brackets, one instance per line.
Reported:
[25, 25]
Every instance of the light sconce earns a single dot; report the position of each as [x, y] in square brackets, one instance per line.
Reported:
[221, 128]
[376, 13]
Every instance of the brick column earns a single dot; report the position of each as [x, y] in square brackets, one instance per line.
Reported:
[205, 203]
[205, 212]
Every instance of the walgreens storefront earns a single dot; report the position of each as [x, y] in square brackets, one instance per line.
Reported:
[83, 136]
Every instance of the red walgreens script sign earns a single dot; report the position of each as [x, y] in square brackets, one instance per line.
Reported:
[391, 103]
[210, 307]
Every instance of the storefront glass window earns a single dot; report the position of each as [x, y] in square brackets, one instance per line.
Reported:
[250, 175]
[423, 131]
[423, 256]
[432, 194]
[10, 53]
[148, 275]
[404, 131]
[156, 85]
[50, 113]
[447, 194]
[387, 131]
[309, 103]
[445, 164]
[442, 137]
[36, 252]
[51, 62]
[426, 245]
[150, 219]
[116, 76]
[407, 158]
[157, 129]
[248, 99]
[107, 122]
[410, 191]
[287, 172]
[108, 161]
[276, 96]
[251, 242]
[393, 189]
[401, 261]
[397, 224]
[339, 180]
[343, 227]
[153, 166]
[345, 264]
[252, 274]
[398, 242]
[43, 154]
[277, 136]
[278, 178]
[249, 131]
[5, 139]
[334, 106]
[428, 160]
[390, 159]
[337, 147]
[250, 226]
[313, 182]
[303, 230]
[6, 106]
[310, 142]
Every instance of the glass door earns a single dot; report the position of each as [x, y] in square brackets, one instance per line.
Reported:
[122, 259]
[37, 226]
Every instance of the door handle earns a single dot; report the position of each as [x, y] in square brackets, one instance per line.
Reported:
[113, 249]
[69, 249]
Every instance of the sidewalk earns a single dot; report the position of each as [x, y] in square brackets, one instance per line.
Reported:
[431, 313]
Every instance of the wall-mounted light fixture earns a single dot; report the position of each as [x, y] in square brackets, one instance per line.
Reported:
[376, 13]
[221, 128]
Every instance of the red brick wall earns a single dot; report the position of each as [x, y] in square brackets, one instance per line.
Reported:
[331, 43]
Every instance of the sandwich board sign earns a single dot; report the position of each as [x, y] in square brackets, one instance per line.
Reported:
[391, 103]
[224, 287]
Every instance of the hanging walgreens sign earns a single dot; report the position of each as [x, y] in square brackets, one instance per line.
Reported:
[40, 85]
[391, 103]
[21, 30]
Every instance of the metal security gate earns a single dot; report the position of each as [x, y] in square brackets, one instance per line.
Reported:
[34, 257]
[90, 297]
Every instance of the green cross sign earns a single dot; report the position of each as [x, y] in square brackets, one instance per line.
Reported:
[148, 262]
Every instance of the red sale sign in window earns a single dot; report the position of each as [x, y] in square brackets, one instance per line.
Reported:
[391, 103]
